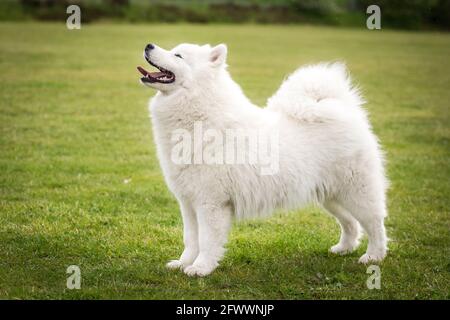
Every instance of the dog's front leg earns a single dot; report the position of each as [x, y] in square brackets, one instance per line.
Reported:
[214, 223]
[190, 238]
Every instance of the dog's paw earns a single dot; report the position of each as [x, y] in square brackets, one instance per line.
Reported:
[342, 249]
[198, 270]
[366, 258]
[174, 264]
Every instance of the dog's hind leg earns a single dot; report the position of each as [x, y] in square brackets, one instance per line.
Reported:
[190, 238]
[377, 248]
[370, 214]
[214, 223]
[350, 229]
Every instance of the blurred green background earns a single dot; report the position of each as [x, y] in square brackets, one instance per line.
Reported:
[415, 14]
[80, 182]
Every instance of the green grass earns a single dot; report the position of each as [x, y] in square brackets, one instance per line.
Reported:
[74, 125]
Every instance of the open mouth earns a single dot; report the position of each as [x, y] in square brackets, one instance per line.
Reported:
[163, 76]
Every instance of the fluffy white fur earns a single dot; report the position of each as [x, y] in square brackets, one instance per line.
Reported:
[328, 154]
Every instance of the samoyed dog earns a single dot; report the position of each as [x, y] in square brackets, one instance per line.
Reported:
[320, 144]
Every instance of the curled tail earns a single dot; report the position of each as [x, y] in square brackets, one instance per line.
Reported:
[316, 93]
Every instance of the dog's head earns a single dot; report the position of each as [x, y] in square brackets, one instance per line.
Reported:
[182, 66]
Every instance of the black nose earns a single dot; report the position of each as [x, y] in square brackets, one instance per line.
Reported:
[149, 47]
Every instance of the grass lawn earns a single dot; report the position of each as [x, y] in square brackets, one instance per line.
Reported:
[75, 129]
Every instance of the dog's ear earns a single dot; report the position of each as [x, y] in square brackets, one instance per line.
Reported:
[218, 55]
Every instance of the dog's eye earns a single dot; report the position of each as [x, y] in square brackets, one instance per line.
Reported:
[178, 55]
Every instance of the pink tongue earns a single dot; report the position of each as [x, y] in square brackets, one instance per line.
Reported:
[153, 75]
[156, 74]
[142, 70]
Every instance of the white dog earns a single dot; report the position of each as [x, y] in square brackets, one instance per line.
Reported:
[325, 150]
